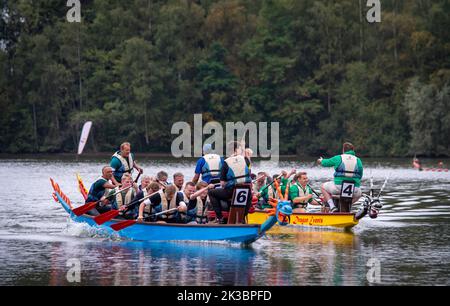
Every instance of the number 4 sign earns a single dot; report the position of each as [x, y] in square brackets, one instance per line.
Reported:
[347, 189]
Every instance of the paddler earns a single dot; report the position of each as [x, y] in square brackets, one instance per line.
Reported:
[199, 204]
[261, 180]
[178, 180]
[161, 178]
[97, 192]
[300, 193]
[122, 199]
[285, 179]
[263, 190]
[347, 167]
[162, 201]
[188, 190]
[269, 191]
[145, 181]
[123, 162]
[208, 166]
[148, 190]
[235, 171]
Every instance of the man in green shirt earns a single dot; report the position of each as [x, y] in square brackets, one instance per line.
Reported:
[300, 193]
[285, 181]
[267, 192]
[347, 167]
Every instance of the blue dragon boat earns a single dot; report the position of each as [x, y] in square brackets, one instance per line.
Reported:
[150, 231]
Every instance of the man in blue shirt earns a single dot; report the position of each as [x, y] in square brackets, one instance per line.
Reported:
[208, 166]
[235, 171]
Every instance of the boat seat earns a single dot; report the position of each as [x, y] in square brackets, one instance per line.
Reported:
[212, 214]
[242, 194]
[226, 214]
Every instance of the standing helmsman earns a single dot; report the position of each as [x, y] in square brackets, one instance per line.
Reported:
[235, 171]
[347, 167]
[123, 162]
[97, 191]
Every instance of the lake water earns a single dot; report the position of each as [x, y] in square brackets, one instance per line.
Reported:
[408, 244]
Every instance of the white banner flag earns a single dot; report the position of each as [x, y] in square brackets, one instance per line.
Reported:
[84, 136]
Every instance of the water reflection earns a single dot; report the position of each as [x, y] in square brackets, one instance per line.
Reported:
[314, 257]
[135, 263]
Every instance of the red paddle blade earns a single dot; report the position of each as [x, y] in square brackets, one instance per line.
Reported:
[84, 209]
[106, 216]
[122, 225]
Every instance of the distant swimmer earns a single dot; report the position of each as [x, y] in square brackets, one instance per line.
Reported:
[417, 164]
[440, 168]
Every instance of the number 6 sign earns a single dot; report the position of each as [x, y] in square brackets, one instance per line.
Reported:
[240, 196]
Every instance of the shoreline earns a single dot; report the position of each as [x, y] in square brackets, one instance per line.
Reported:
[170, 156]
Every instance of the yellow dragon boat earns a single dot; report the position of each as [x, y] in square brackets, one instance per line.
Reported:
[338, 220]
[342, 220]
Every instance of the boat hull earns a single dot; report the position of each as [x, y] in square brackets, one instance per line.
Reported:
[335, 220]
[146, 231]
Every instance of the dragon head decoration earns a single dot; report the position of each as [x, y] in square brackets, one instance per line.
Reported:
[280, 211]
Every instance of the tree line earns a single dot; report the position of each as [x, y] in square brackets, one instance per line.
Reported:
[317, 67]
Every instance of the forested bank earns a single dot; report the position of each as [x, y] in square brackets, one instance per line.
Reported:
[136, 67]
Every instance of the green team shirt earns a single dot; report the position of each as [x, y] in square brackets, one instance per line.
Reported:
[265, 194]
[336, 161]
[284, 183]
[294, 192]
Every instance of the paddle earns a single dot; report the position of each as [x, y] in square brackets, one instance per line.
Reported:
[371, 186]
[259, 177]
[88, 206]
[164, 212]
[162, 184]
[382, 187]
[121, 225]
[137, 177]
[320, 202]
[313, 190]
[115, 212]
[127, 223]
